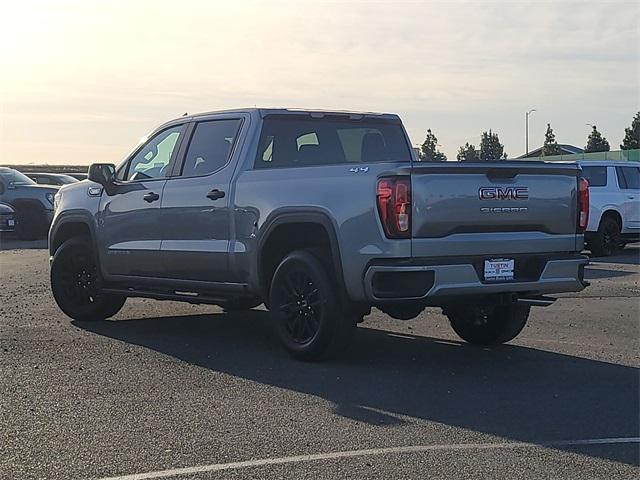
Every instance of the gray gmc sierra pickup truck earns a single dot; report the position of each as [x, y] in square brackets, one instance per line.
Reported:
[320, 216]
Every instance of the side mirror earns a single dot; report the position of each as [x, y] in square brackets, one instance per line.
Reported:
[102, 173]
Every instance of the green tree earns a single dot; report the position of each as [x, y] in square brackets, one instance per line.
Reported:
[596, 142]
[468, 153]
[631, 139]
[429, 150]
[550, 146]
[490, 147]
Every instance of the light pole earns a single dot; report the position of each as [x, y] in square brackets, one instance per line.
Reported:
[526, 121]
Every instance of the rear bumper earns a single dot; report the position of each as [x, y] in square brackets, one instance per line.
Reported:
[430, 280]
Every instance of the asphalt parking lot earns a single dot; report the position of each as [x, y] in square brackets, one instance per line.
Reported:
[167, 390]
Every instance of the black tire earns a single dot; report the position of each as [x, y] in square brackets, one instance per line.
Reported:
[488, 325]
[31, 222]
[305, 308]
[75, 283]
[240, 304]
[606, 241]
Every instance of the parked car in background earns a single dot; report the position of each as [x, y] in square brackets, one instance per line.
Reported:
[614, 214]
[33, 203]
[51, 178]
[320, 215]
[7, 218]
[78, 176]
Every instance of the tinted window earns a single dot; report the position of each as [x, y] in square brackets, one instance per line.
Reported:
[307, 142]
[13, 176]
[597, 176]
[210, 147]
[628, 177]
[66, 179]
[153, 158]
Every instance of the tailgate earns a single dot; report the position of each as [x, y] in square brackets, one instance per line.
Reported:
[493, 208]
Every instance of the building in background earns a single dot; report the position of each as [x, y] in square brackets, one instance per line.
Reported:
[565, 148]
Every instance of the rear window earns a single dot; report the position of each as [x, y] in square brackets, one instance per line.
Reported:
[299, 142]
[597, 176]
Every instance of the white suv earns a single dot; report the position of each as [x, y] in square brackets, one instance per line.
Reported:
[614, 214]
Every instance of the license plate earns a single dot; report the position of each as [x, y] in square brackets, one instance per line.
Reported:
[11, 222]
[499, 269]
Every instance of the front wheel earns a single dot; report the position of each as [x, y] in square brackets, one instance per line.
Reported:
[75, 283]
[488, 324]
[305, 308]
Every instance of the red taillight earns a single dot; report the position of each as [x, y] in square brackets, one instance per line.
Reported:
[583, 204]
[394, 206]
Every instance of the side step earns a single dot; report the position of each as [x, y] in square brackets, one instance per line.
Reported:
[180, 296]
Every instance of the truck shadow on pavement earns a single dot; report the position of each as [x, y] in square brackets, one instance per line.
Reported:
[629, 256]
[517, 393]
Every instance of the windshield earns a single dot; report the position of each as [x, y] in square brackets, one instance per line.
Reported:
[10, 175]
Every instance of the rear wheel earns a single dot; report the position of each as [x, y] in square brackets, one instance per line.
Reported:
[75, 283]
[488, 324]
[305, 308]
[606, 241]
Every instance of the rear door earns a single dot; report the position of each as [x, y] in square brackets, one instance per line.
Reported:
[493, 209]
[196, 211]
[129, 218]
[629, 181]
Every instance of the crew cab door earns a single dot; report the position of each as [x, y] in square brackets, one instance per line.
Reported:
[129, 219]
[196, 209]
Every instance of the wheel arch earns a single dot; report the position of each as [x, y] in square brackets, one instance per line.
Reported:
[69, 225]
[612, 213]
[307, 222]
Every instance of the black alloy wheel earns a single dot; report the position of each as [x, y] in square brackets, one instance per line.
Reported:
[304, 305]
[75, 283]
[301, 307]
[607, 240]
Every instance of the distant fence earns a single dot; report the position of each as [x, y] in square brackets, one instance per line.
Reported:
[613, 156]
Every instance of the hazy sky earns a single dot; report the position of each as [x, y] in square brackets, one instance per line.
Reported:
[81, 82]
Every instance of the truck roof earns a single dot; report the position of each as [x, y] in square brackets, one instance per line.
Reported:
[314, 113]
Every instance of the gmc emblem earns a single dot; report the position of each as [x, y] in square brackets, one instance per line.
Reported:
[503, 193]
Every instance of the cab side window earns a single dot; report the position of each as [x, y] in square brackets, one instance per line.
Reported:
[152, 160]
[210, 147]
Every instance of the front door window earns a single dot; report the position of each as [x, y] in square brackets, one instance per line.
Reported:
[152, 160]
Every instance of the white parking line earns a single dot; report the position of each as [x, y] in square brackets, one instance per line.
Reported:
[216, 467]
